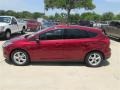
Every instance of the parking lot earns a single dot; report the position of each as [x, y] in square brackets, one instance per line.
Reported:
[62, 76]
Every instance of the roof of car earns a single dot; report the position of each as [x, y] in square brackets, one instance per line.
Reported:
[75, 26]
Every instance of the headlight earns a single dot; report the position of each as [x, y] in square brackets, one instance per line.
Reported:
[7, 43]
[2, 28]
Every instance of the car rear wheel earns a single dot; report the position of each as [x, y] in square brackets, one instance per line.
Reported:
[94, 59]
[20, 58]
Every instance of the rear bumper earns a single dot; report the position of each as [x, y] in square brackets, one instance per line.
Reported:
[108, 53]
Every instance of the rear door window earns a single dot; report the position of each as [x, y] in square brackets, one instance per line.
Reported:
[75, 34]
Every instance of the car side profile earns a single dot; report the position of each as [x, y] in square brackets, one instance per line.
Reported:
[61, 43]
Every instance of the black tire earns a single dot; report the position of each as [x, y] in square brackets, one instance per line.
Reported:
[23, 30]
[7, 35]
[94, 61]
[18, 61]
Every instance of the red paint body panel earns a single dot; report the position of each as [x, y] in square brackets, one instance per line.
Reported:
[33, 25]
[61, 50]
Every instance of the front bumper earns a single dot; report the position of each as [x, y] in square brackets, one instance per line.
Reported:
[6, 52]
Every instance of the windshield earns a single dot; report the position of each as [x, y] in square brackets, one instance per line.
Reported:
[5, 19]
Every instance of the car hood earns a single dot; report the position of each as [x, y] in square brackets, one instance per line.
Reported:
[19, 38]
[3, 24]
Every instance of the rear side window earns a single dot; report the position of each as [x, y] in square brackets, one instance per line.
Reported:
[14, 21]
[75, 34]
[92, 34]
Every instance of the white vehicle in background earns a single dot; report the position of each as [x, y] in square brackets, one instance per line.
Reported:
[9, 25]
[42, 21]
[22, 22]
[100, 24]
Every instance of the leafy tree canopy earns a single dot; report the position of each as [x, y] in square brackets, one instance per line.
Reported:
[68, 5]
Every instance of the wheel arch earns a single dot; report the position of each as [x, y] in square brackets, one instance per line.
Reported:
[8, 30]
[94, 51]
[21, 50]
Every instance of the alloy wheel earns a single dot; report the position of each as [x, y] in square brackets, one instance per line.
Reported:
[94, 59]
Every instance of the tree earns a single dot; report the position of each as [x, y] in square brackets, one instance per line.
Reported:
[87, 16]
[97, 17]
[2, 12]
[90, 16]
[51, 17]
[37, 15]
[26, 14]
[11, 13]
[117, 17]
[68, 5]
[107, 16]
[74, 19]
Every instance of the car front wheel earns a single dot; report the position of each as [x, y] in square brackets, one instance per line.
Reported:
[20, 58]
[23, 31]
[7, 35]
[94, 59]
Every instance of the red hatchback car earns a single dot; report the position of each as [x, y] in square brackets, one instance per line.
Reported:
[59, 43]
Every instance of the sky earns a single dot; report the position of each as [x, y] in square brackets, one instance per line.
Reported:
[38, 6]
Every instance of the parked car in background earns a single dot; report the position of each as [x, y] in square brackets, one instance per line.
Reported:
[41, 20]
[33, 25]
[62, 43]
[113, 29]
[86, 23]
[22, 21]
[100, 24]
[10, 25]
[47, 24]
